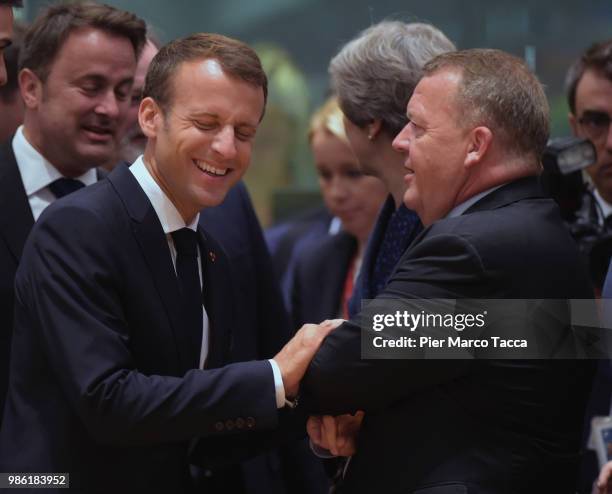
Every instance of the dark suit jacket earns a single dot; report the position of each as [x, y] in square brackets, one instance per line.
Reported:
[16, 221]
[261, 324]
[462, 426]
[319, 279]
[102, 382]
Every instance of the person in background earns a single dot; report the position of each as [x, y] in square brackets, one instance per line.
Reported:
[374, 76]
[325, 274]
[77, 65]
[11, 104]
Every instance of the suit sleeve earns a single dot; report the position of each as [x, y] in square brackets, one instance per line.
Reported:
[68, 290]
[340, 381]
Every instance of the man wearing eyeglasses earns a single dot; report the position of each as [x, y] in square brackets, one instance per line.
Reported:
[589, 91]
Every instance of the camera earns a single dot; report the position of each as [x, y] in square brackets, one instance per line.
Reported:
[562, 179]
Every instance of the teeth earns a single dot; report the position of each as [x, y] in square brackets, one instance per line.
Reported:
[210, 169]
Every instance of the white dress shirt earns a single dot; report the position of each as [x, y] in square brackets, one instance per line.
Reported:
[171, 220]
[37, 174]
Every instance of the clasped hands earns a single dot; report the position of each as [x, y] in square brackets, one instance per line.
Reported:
[338, 434]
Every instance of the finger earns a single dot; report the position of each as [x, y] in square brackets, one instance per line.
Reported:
[330, 433]
[604, 478]
[313, 428]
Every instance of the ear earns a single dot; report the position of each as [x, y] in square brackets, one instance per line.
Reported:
[374, 128]
[150, 117]
[573, 121]
[479, 143]
[31, 88]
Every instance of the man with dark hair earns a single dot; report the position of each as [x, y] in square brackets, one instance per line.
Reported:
[477, 125]
[76, 70]
[589, 95]
[6, 31]
[125, 310]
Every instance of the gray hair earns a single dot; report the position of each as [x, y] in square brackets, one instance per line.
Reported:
[375, 74]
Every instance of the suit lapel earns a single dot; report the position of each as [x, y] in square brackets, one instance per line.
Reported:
[218, 297]
[16, 223]
[154, 246]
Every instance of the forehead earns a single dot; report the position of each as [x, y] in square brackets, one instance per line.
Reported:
[594, 92]
[91, 49]
[435, 94]
[202, 86]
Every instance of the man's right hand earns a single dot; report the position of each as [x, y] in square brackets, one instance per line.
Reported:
[294, 357]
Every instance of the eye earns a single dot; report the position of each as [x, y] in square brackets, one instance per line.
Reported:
[354, 174]
[205, 125]
[324, 175]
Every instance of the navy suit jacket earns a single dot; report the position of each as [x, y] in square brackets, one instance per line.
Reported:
[319, 279]
[467, 426]
[103, 384]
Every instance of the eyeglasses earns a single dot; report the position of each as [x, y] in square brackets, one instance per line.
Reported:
[595, 124]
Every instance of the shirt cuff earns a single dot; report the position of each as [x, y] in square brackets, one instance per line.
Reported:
[278, 384]
[320, 452]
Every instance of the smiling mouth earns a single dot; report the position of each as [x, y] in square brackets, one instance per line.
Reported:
[99, 131]
[211, 170]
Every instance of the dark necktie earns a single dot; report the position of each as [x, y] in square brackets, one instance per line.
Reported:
[64, 186]
[187, 271]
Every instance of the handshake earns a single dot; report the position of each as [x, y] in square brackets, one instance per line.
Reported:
[334, 434]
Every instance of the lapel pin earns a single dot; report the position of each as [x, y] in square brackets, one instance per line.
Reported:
[212, 255]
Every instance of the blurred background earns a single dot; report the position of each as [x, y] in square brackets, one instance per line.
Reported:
[297, 38]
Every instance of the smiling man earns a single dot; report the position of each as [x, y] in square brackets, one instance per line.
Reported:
[125, 310]
[478, 125]
[77, 65]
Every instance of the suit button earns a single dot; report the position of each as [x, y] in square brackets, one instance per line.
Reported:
[250, 422]
[240, 423]
[219, 426]
[229, 424]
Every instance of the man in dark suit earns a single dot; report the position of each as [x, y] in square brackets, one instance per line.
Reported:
[77, 65]
[117, 353]
[478, 122]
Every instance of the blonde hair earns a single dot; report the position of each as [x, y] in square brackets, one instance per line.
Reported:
[328, 118]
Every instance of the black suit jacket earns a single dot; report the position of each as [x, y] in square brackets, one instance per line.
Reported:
[462, 426]
[102, 382]
[16, 221]
[319, 279]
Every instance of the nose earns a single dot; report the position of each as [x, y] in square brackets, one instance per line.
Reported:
[609, 139]
[338, 191]
[109, 105]
[401, 143]
[224, 142]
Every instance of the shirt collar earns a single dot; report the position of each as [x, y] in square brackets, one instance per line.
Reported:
[465, 205]
[606, 207]
[169, 217]
[36, 172]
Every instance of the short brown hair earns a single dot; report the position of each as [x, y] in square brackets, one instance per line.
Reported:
[598, 58]
[498, 90]
[46, 36]
[235, 57]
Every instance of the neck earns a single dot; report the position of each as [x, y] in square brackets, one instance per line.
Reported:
[186, 213]
[34, 138]
[392, 173]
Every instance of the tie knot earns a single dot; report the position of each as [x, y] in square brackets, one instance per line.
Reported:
[186, 242]
[64, 186]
